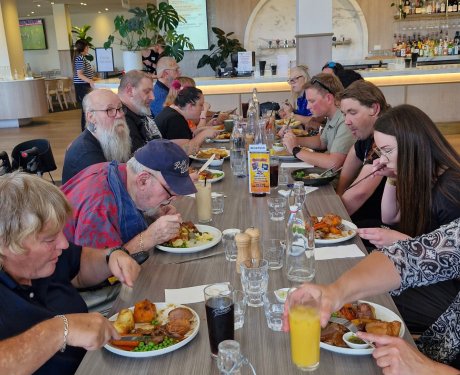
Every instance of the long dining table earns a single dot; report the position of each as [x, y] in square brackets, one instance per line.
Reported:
[268, 351]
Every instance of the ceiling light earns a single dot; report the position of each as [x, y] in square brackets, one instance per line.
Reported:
[52, 3]
[106, 8]
[99, 11]
[38, 5]
[32, 12]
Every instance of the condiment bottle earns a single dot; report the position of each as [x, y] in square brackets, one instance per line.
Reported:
[255, 248]
[243, 241]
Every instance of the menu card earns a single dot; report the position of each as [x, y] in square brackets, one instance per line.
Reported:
[245, 61]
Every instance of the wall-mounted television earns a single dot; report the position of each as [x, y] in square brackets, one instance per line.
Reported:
[33, 34]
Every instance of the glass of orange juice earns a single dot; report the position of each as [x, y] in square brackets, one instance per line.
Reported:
[305, 329]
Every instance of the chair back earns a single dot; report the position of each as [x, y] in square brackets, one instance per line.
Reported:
[51, 85]
[5, 165]
[34, 156]
[60, 85]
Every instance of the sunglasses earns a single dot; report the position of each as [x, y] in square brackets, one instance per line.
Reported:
[315, 81]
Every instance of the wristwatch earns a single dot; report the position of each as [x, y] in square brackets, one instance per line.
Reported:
[118, 248]
[296, 150]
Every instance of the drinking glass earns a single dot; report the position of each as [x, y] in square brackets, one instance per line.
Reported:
[254, 279]
[228, 239]
[274, 169]
[203, 202]
[240, 302]
[217, 203]
[219, 314]
[273, 311]
[304, 325]
[274, 253]
[276, 208]
[283, 177]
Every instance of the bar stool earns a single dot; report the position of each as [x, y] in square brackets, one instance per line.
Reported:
[52, 90]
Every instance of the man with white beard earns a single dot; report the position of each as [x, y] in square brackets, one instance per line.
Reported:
[105, 138]
[136, 94]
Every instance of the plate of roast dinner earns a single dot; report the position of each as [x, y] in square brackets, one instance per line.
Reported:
[151, 329]
[368, 317]
[331, 228]
[192, 239]
[205, 153]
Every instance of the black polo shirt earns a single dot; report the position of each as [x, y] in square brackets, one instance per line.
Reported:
[22, 307]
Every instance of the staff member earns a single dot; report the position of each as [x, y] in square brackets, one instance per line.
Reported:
[83, 74]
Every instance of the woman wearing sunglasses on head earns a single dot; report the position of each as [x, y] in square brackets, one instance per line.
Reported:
[422, 192]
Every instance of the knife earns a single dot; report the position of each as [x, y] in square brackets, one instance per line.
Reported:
[135, 338]
[202, 257]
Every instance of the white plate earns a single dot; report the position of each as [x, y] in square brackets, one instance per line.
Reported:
[381, 313]
[348, 225]
[220, 140]
[216, 233]
[217, 178]
[287, 157]
[163, 309]
[214, 162]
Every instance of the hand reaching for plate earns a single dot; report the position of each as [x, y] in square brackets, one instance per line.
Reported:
[381, 237]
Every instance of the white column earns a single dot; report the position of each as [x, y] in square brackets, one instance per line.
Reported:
[62, 29]
[12, 55]
[314, 33]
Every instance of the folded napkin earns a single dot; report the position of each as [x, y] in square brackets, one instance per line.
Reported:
[296, 165]
[287, 193]
[193, 294]
[336, 252]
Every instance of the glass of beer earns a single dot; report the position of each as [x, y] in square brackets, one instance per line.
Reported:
[219, 314]
[304, 325]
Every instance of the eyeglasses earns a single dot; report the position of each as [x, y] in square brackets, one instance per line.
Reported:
[293, 80]
[111, 112]
[383, 153]
[170, 194]
[316, 81]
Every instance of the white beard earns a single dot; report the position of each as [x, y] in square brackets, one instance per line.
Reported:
[141, 108]
[116, 142]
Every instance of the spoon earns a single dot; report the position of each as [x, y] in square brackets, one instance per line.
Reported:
[205, 165]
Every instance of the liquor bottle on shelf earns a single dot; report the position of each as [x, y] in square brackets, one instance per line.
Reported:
[443, 6]
[437, 6]
[449, 6]
[455, 6]
[406, 7]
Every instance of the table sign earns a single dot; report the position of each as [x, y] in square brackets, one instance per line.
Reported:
[282, 61]
[104, 60]
[259, 169]
[245, 61]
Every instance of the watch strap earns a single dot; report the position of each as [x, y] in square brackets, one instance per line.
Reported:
[111, 251]
[296, 150]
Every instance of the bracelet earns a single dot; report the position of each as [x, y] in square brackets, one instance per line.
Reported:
[296, 150]
[391, 181]
[141, 242]
[121, 248]
[66, 331]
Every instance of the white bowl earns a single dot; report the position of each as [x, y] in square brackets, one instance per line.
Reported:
[346, 337]
[217, 163]
[278, 148]
[281, 294]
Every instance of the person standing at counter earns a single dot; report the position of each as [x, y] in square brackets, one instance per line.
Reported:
[167, 71]
[83, 75]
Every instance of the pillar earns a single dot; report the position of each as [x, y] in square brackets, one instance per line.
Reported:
[62, 28]
[12, 56]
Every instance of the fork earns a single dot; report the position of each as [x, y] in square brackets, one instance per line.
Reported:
[350, 326]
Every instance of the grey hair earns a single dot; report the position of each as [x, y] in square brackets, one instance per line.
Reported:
[132, 78]
[165, 63]
[137, 167]
[28, 204]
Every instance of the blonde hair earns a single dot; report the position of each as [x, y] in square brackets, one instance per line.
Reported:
[176, 86]
[301, 70]
[28, 204]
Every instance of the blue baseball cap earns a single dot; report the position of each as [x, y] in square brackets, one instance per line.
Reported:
[171, 160]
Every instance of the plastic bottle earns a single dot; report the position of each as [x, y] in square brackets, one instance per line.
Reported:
[238, 150]
[255, 101]
[300, 247]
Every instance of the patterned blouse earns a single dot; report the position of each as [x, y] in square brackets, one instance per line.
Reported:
[429, 259]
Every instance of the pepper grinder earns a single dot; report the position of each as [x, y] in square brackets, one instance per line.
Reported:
[243, 242]
[254, 233]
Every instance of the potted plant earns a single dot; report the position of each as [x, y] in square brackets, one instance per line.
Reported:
[220, 52]
[148, 27]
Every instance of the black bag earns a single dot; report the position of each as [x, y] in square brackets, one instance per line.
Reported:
[269, 106]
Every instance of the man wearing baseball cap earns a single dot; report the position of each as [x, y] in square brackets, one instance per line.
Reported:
[111, 200]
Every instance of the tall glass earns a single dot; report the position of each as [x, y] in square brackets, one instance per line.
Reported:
[304, 326]
[203, 202]
[219, 314]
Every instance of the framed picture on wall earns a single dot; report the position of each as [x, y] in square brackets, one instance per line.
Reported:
[33, 34]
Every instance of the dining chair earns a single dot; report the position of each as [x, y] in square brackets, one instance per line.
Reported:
[52, 90]
[64, 88]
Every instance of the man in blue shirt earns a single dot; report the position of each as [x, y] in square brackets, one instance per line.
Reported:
[167, 71]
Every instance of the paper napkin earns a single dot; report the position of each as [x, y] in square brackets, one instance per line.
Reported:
[336, 252]
[193, 294]
[296, 165]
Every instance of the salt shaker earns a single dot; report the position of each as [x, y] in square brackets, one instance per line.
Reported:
[243, 242]
[254, 233]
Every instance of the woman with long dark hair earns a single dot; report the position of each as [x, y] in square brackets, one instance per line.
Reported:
[83, 74]
[422, 192]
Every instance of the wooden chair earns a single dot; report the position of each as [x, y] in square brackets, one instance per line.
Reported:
[64, 87]
[52, 90]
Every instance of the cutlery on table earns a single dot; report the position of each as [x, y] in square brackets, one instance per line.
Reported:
[350, 326]
[330, 170]
[205, 165]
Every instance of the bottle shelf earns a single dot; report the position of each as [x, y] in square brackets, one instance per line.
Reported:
[432, 16]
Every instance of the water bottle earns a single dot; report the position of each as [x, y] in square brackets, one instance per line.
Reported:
[300, 247]
[238, 150]
[255, 101]
[251, 123]
[260, 137]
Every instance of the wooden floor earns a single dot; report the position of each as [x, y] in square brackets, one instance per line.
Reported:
[60, 128]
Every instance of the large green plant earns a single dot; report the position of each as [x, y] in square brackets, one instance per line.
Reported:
[82, 33]
[148, 27]
[220, 52]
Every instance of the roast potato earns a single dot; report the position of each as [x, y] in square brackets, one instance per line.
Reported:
[144, 311]
[125, 322]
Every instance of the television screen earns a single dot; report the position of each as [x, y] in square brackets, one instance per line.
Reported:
[33, 34]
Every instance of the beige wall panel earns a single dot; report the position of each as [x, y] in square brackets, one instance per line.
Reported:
[394, 95]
